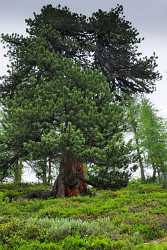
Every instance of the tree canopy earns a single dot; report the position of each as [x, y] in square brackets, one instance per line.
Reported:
[106, 41]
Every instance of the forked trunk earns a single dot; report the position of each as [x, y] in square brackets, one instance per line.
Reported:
[70, 181]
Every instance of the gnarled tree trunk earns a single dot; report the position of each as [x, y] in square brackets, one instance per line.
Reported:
[70, 181]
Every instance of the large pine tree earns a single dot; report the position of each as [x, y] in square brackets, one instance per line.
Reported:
[59, 95]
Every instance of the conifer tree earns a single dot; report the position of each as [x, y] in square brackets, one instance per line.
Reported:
[59, 94]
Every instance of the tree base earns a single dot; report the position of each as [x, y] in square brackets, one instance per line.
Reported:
[70, 181]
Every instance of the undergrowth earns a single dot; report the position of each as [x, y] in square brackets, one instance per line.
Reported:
[130, 218]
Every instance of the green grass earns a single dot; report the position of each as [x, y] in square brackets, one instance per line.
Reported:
[131, 218]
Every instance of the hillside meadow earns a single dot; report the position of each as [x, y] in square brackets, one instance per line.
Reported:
[130, 218]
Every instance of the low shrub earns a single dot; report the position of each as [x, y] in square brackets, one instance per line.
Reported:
[117, 220]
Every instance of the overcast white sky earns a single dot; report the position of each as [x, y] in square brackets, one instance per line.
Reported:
[148, 16]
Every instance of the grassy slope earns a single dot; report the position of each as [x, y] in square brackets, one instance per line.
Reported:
[131, 218]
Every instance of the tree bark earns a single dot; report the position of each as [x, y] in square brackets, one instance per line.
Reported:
[154, 173]
[18, 172]
[49, 171]
[139, 155]
[141, 169]
[165, 180]
[70, 181]
[44, 171]
[159, 175]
